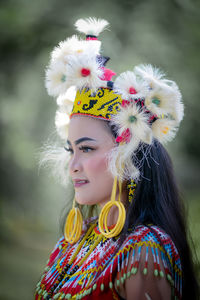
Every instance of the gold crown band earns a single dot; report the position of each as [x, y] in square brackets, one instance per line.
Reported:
[101, 104]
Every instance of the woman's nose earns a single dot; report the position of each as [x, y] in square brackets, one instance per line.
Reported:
[75, 164]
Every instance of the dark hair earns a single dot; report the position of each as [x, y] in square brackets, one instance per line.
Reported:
[157, 202]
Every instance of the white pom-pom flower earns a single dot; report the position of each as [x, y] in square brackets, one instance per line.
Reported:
[164, 129]
[66, 107]
[84, 71]
[62, 121]
[80, 71]
[165, 101]
[74, 46]
[64, 48]
[66, 101]
[133, 118]
[91, 26]
[56, 79]
[130, 86]
[164, 96]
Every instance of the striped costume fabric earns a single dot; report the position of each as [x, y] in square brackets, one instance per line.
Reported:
[108, 266]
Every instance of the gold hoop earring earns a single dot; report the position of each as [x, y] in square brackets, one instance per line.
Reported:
[73, 225]
[103, 227]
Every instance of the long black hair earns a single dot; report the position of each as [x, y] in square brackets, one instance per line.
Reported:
[157, 201]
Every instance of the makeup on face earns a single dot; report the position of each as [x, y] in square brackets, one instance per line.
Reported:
[89, 143]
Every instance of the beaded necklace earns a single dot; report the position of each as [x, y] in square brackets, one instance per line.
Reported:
[80, 270]
[66, 269]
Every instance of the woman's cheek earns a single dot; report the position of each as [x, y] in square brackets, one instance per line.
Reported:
[96, 164]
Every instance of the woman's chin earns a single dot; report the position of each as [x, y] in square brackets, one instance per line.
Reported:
[85, 201]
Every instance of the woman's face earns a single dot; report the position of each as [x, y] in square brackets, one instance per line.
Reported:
[89, 142]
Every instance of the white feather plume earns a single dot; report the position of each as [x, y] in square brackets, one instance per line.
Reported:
[120, 158]
[91, 26]
[128, 80]
[149, 73]
[56, 159]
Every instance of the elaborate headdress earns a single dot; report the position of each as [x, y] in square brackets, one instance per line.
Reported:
[141, 104]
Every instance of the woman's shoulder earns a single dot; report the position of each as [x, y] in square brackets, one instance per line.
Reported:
[150, 250]
[153, 237]
[148, 234]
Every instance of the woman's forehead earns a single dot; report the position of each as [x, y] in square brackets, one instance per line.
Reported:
[82, 126]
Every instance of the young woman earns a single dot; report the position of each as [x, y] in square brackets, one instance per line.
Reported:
[136, 248]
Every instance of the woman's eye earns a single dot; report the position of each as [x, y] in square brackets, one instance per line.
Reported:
[86, 149]
[68, 150]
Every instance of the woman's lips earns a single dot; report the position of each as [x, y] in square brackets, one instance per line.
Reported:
[79, 183]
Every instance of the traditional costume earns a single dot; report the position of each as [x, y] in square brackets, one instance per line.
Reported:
[90, 261]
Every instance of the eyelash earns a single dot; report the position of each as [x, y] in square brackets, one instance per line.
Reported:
[82, 148]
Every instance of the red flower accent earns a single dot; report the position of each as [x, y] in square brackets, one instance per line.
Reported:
[91, 38]
[85, 72]
[107, 74]
[132, 90]
[125, 103]
[124, 137]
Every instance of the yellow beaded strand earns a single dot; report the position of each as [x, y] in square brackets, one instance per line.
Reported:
[81, 243]
[100, 237]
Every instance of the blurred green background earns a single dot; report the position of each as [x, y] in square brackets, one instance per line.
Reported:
[163, 33]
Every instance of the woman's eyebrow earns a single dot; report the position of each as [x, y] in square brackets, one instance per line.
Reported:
[83, 139]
